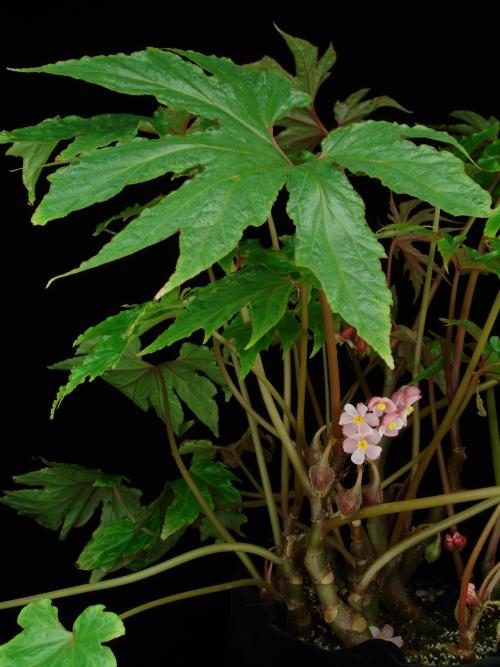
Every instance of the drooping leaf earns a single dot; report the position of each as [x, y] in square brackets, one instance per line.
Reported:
[354, 108]
[336, 244]
[288, 330]
[231, 519]
[69, 496]
[448, 245]
[101, 348]
[379, 149]
[265, 293]
[44, 642]
[139, 380]
[35, 156]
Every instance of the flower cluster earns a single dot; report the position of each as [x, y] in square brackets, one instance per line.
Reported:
[455, 541]
[364, 425]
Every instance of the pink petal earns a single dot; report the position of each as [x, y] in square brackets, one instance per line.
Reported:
[373, 452]
[349, 445]
[356, 430]
[359, 456]
[373, 438]
[372, 420]
[371, 403]
[388, 631]
[361, 408]
[398, 641]
[345, 418]
[375, 632]
[350, 409]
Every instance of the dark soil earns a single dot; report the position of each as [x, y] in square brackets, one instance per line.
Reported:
[429, 646]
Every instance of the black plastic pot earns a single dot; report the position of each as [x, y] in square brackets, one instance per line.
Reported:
[258, 638]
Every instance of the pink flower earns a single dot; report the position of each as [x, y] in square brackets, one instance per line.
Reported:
[404, 398]
[361, 445]
[392, 423]
[357, 420]
[472, 600]
[381, 404]
[386, 633]
[455, 542]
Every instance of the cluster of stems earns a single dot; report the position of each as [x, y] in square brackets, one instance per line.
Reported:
[359, 547]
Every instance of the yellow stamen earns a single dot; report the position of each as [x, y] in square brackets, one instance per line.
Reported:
[392, 426]
[381, 406]
[410, 410]
[362, 444]
[358, 419]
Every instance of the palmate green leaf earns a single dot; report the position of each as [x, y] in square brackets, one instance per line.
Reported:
[44, 642]
[140, 382]
[378, 148]
[100, 175]
[69, 496]
[336, 244]
[265, 292]
[241, 98]
[211, 211]
[35, 156]
[219, 479]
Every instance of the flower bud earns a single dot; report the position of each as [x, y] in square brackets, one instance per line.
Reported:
[433, 549]
[312, 456]
[347, 334]
[455, 542]
[360, 344]
[471, 599]
[321, 478]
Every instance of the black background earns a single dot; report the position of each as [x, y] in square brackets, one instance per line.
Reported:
[429, 63]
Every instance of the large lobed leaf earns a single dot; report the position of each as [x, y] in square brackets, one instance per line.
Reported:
[44, 642]
[69, 496]
[336, 244]
[379, 149]
[140, 381]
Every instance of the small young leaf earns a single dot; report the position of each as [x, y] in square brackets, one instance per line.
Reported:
[353, 109]
[200, 449]
[34, 155]
[469, 326]
[44, 642]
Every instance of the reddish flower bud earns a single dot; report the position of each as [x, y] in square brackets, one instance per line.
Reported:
[312, 456]
[347, 333]
[455, 542]
[471, 599]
